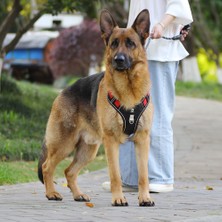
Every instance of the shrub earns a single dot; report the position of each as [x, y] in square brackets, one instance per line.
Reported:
[8, 85]
[24, 110]
[75, 49]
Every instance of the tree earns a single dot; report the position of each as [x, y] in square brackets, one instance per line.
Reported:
[8, 18]
[119, 10]
[44, 6]
[207, 28]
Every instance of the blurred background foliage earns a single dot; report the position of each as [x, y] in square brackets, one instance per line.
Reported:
[204, 40]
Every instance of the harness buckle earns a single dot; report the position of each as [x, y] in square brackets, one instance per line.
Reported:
[131, 119]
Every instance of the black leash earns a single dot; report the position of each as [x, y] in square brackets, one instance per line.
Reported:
[176, 37]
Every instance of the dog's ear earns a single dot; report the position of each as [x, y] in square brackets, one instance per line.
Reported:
[107, 24]
[142, 25]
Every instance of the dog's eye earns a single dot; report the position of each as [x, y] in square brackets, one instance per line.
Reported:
[114, 43]
[130, 44]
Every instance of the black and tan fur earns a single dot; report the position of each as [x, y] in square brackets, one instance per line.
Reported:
[81, 117]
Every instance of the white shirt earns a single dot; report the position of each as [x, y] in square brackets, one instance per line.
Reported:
[161, 49]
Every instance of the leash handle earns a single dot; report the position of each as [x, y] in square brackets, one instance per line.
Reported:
[186, 28]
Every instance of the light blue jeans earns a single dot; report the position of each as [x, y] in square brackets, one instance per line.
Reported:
[161, 155]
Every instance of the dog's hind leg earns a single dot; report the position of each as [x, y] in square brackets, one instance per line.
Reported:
[48, 169]
[55, 154]
[84, 154]
[58, 147]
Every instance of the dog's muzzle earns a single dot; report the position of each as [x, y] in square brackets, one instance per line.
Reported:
[121, 62]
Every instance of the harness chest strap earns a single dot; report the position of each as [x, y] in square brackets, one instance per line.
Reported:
[130, 117]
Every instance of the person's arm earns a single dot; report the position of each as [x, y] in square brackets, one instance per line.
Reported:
[177, 11]
[158, 29]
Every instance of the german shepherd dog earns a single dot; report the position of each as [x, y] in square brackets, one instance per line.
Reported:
[87, 114]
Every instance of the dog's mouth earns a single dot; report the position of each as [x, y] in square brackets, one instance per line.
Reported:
[121, 68]
[121, 62]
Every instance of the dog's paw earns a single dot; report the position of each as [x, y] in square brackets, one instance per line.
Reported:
[147, 204]
[54, 196]
[145, 201]
[82, 198]
[120, 202]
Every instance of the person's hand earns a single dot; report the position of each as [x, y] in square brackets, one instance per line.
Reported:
[184, 31]
[184, 34]
[157, 31]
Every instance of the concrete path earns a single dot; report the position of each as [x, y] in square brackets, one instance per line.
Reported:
[198, 186]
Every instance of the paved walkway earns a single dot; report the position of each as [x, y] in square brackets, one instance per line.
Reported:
[198, 186]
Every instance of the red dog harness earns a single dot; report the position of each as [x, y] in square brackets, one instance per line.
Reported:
[130, 117]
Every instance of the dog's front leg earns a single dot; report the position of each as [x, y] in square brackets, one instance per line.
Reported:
[112, 155]
[142, 144]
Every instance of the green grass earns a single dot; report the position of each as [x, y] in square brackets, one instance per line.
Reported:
[26, 171]
[24, 110]
[212, 91]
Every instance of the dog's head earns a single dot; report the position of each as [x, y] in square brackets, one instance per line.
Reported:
[123, 45]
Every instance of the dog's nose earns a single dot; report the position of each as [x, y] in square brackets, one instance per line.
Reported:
[121, 62]
[119, 58]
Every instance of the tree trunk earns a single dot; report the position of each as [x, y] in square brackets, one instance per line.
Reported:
[20, 33]
[190, 70]
[1, 64]
[219, 75]
[8, 21]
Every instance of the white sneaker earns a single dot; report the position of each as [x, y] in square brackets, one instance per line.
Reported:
[160, 188]
[154, 188]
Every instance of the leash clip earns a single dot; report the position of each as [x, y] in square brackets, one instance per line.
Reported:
[131, 119]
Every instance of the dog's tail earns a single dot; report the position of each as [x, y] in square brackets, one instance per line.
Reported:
[42, 159]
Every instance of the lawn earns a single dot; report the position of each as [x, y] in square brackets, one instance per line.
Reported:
[24, 110]
[212, 91]
[26, 171]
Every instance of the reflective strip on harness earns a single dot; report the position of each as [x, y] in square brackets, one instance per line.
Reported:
[130, 117]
